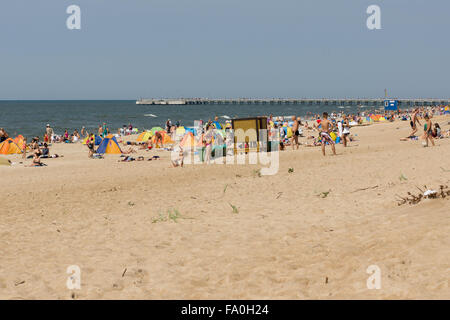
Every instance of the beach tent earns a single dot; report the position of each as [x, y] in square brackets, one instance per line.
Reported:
[375, 117]
[19, 140]
[192, 130]
[188, 141]
[97, 141]
[180, 131]
[165, 138]
[144, 136]
[217, 124]
[9, 147]
[109, 145]
[155, 129]
[4, 162]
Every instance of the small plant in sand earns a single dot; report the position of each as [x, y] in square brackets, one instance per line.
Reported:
[290, 170]
[257, 173]
[131, 204]
[235, 209]
[324, 194]
[225, 188]
[402, 177]
[159, 218]
[172, 214]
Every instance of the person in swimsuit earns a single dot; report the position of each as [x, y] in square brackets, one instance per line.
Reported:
[180, 160]
[325, 133]
[412, 123]
[428, 131]
[90, 145]
[207, 140]
[24, 148]
[295, 133]
[436, 131]
[345, 131]
[104, 130]
[158, 139]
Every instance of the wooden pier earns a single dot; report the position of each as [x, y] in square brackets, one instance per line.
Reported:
[405, 103]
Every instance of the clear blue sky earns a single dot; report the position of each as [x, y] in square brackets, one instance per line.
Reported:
[128, 49]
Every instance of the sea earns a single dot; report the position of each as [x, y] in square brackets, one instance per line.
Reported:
[29, 118]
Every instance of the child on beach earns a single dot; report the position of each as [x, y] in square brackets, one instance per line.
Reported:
[90, 145]
[428, 131]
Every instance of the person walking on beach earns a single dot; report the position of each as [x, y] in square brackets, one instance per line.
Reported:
[168, 125]
[345, 130]
[414, 120]
[49, 132]
[208, 143]
[105, 130]
[428, 131]
[325, 137]
[295, 133]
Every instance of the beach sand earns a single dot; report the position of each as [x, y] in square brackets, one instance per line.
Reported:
[285, 241]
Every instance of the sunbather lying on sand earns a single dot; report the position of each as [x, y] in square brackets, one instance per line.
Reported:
[180, 160]
[36, 160]
[129, 150]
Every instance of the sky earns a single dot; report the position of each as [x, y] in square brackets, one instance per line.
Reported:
[130, 49]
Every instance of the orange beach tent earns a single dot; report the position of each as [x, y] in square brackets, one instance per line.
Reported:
[165, 138]
[144, 136]
[188, 141]
[9, 147]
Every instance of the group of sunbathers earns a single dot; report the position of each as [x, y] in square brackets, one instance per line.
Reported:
[140, 158]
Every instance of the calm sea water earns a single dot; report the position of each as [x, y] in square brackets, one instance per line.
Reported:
[30, 117]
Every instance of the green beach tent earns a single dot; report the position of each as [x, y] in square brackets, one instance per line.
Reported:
[154, 129]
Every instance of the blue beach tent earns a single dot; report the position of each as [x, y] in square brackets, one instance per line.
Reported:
[109, 145]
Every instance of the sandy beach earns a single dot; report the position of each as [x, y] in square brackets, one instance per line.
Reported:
[287, 240]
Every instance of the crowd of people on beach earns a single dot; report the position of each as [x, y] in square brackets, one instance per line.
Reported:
[319, 130]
